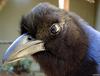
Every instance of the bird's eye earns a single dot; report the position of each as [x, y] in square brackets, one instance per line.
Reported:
[55, 29]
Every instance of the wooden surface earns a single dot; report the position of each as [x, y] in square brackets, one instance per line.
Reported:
[66, 5]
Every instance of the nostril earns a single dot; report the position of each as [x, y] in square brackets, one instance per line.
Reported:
[30, 38]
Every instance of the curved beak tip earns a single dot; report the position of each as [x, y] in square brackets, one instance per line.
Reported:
[21, 48]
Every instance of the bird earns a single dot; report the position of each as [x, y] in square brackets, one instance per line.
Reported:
[62, 42]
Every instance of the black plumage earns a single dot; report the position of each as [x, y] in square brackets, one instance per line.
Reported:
[66, 51]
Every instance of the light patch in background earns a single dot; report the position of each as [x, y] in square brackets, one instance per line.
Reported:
[91, 1]
[61, 4]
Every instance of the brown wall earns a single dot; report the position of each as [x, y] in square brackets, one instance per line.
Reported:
[98, 15]
[85, 9]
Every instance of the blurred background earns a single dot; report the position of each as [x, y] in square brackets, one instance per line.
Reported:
[11, 12]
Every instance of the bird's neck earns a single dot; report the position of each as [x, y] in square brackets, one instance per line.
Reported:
[94, 42]
[53, 66]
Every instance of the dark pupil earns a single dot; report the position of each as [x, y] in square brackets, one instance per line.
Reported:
[53, 30]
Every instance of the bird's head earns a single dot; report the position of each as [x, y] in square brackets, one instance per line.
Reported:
[48, 34]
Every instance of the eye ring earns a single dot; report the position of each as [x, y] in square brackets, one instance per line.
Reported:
[55, 29]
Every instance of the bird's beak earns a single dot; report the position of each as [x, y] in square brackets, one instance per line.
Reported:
[22, 47]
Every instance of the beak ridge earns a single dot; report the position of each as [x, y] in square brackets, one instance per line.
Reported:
[22, 47]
